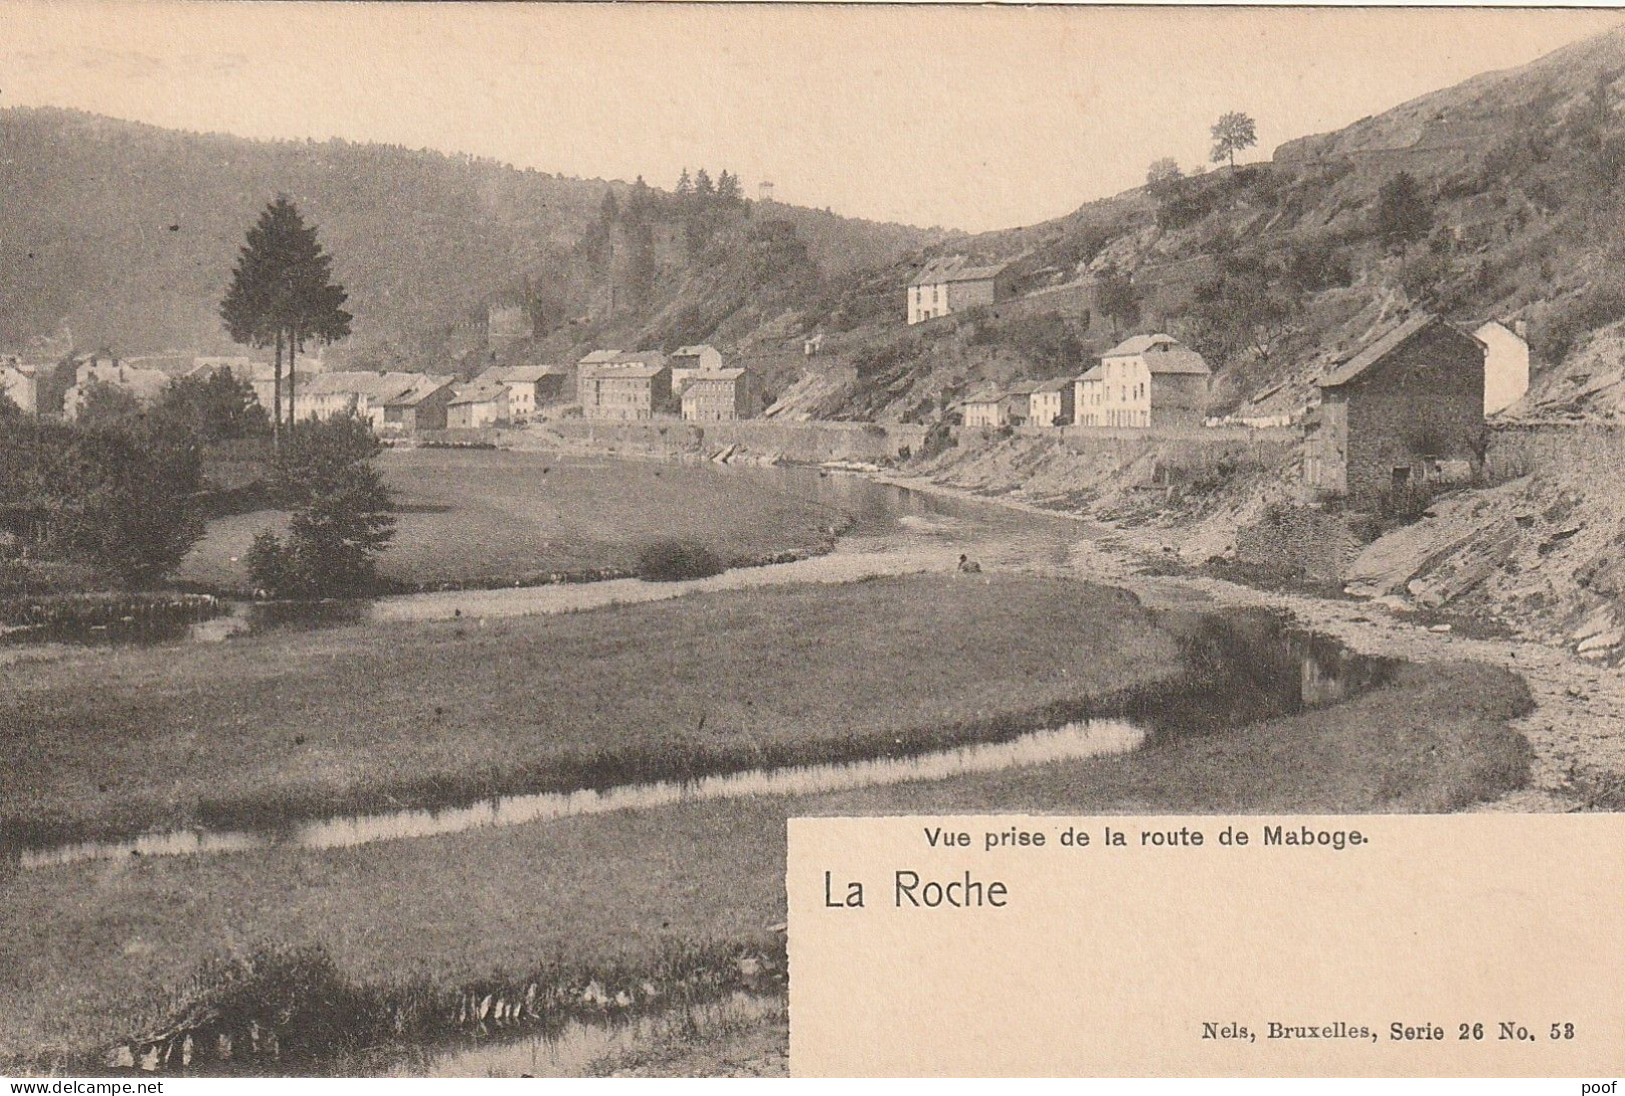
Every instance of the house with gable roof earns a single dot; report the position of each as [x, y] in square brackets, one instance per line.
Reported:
[948, 285]
[1405, 410]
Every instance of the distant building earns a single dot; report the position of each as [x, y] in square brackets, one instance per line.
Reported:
[422, 406]
[1506, 364]
[623, 385]
[1406, 410]
[529, 386]
[1088, 397]
[812, 345]
[366, 395]
[984, 409]
[146, 385]
[477, 406]
[243, 368]
[688, 362]
[704, 358]
[1052, 403]
[720, 395]
[949, 285]
[1018, 403]
[1153, 380]
[20, 383]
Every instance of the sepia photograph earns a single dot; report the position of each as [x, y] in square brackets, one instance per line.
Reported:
[475, 477]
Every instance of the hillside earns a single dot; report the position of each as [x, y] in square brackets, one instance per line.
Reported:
[128, 233]
[1499, 197]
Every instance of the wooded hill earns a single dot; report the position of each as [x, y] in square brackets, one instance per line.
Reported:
[128, 232]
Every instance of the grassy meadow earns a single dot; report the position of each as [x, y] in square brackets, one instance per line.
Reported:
[87, 951]
[495, 517]
[290, 724]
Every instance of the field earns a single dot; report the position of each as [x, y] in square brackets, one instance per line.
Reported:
[297, 723]
[87, 951]
[496, 517]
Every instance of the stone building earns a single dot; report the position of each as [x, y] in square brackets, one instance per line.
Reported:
[1406, 411]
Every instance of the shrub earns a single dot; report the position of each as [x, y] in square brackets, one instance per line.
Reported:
[675, 560]
[344, 516]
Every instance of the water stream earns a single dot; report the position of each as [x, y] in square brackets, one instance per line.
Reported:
[1074, 741]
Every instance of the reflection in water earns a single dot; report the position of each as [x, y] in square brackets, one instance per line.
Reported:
[1248, 665]
[1074, 741]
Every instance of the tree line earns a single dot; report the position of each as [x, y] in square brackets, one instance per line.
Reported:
[121, 489]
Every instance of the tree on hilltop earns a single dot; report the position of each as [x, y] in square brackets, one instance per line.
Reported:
[1232, 133]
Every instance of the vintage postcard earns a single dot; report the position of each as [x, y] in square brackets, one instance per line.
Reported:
[659, 540]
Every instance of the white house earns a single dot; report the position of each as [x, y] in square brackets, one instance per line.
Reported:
[984, 409]
[529, 386]
[478, 405]
[19, 382]
[1153, 380]
[1088, 395]
[1052, 401]
[1506, 364]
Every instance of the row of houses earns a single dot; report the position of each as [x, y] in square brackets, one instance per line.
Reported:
[392, 402]
[1144, 381]
[403, 403]
[628, 386]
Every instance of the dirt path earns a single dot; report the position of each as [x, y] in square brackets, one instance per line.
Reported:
[1577, 728]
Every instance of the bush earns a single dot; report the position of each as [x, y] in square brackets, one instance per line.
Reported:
[675, 560]
[344, 516]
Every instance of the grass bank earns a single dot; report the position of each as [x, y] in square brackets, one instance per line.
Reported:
[289, 725]
[497, 517]
[94, 953]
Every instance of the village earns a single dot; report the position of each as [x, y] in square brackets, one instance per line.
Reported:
[431, 582]
[1404, 411]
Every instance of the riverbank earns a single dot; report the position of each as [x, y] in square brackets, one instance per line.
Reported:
[282, 726]
[1576, 726]
[613, 892]
[499, 518]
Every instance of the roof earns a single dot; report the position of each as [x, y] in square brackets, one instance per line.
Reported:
[631, 371]
[621, 357]
[954, 269]
[1025, 389]
[377, 387]
[1344, 372]
[716, 375]
[1139, 344]
[1506, 328]
[1060, 384]
[1093, 373]
[692, 351]
[427, 385]
[985, 395]
[1176, 359]
[519, 374]
[479, 393]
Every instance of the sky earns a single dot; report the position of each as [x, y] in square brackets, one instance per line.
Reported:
[969, 117]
